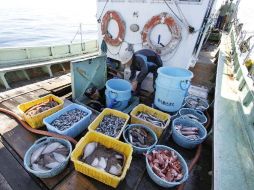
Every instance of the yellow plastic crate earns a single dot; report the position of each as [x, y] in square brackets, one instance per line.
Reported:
[107, 111]
[36, 121]
[93, 172]
[159, 114]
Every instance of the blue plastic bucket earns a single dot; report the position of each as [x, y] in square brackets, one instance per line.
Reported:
[172, 85]
[136, 149]
[197, 113]
[157, 179]
[118, 94]
[182, 140]
[50, 173]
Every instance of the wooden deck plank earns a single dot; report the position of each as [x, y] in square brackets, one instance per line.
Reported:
[77, 181]
[4, 185]
[48, 84]
[14, 174]
[56, 82]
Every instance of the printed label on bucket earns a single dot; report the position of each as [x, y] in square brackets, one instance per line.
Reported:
[165, 103]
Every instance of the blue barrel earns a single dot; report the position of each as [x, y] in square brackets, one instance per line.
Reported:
[118, 94]
[172, 85]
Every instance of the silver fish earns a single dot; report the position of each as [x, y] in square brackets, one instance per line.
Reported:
[36, 167]
[118, 156]
[115, 169]
[102, 163]
[47, 159]
[36, 154]
[59, 157]
[51, 147]
[89, 149]
[64, 151]
[52, 165]
[95, 162]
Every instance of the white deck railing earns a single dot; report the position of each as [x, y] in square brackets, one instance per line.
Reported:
[27, 55]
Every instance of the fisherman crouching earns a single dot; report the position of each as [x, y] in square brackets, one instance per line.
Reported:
[146, 61]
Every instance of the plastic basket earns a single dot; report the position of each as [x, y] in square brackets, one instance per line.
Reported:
[137, 149]
[160, 181]
[107, 111]
[40, 142]
[36, 121]
[199, 114]
[76, 128]
[183, 141]
[161, 115]
[93, 172]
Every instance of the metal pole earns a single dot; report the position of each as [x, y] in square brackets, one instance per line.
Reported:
[248, 55]
[81, 36]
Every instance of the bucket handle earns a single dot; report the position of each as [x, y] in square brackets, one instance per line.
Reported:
[40, 140]
[199, 112]
[189, 119]
[185, 117]
[184, 84]
[110, 95]
[114, 102]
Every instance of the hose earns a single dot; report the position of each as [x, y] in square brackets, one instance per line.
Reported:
[35, 131]
[198, 152]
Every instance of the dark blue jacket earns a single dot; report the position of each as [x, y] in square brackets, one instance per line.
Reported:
[151, 64]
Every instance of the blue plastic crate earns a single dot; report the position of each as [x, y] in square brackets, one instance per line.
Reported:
[76, 128]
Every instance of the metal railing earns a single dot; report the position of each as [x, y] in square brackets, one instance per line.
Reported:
[245, 87]
[27, 55]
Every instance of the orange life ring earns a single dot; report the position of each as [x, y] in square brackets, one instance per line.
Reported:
[104, 28]
[163, 18]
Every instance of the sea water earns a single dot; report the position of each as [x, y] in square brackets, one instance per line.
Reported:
[46, 22]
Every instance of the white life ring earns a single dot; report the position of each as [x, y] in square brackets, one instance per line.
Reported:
[104, 28]
[174, 28]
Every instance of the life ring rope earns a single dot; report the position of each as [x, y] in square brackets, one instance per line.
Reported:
[113, 15]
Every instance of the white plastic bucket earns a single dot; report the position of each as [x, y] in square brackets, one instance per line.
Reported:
[172, 85]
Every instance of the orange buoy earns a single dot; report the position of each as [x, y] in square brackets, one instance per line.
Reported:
[163, 18]
[104, 28]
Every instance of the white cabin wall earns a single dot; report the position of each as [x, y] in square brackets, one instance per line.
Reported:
[194, 13]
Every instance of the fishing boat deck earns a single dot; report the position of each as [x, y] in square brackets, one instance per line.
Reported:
[15, 141]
